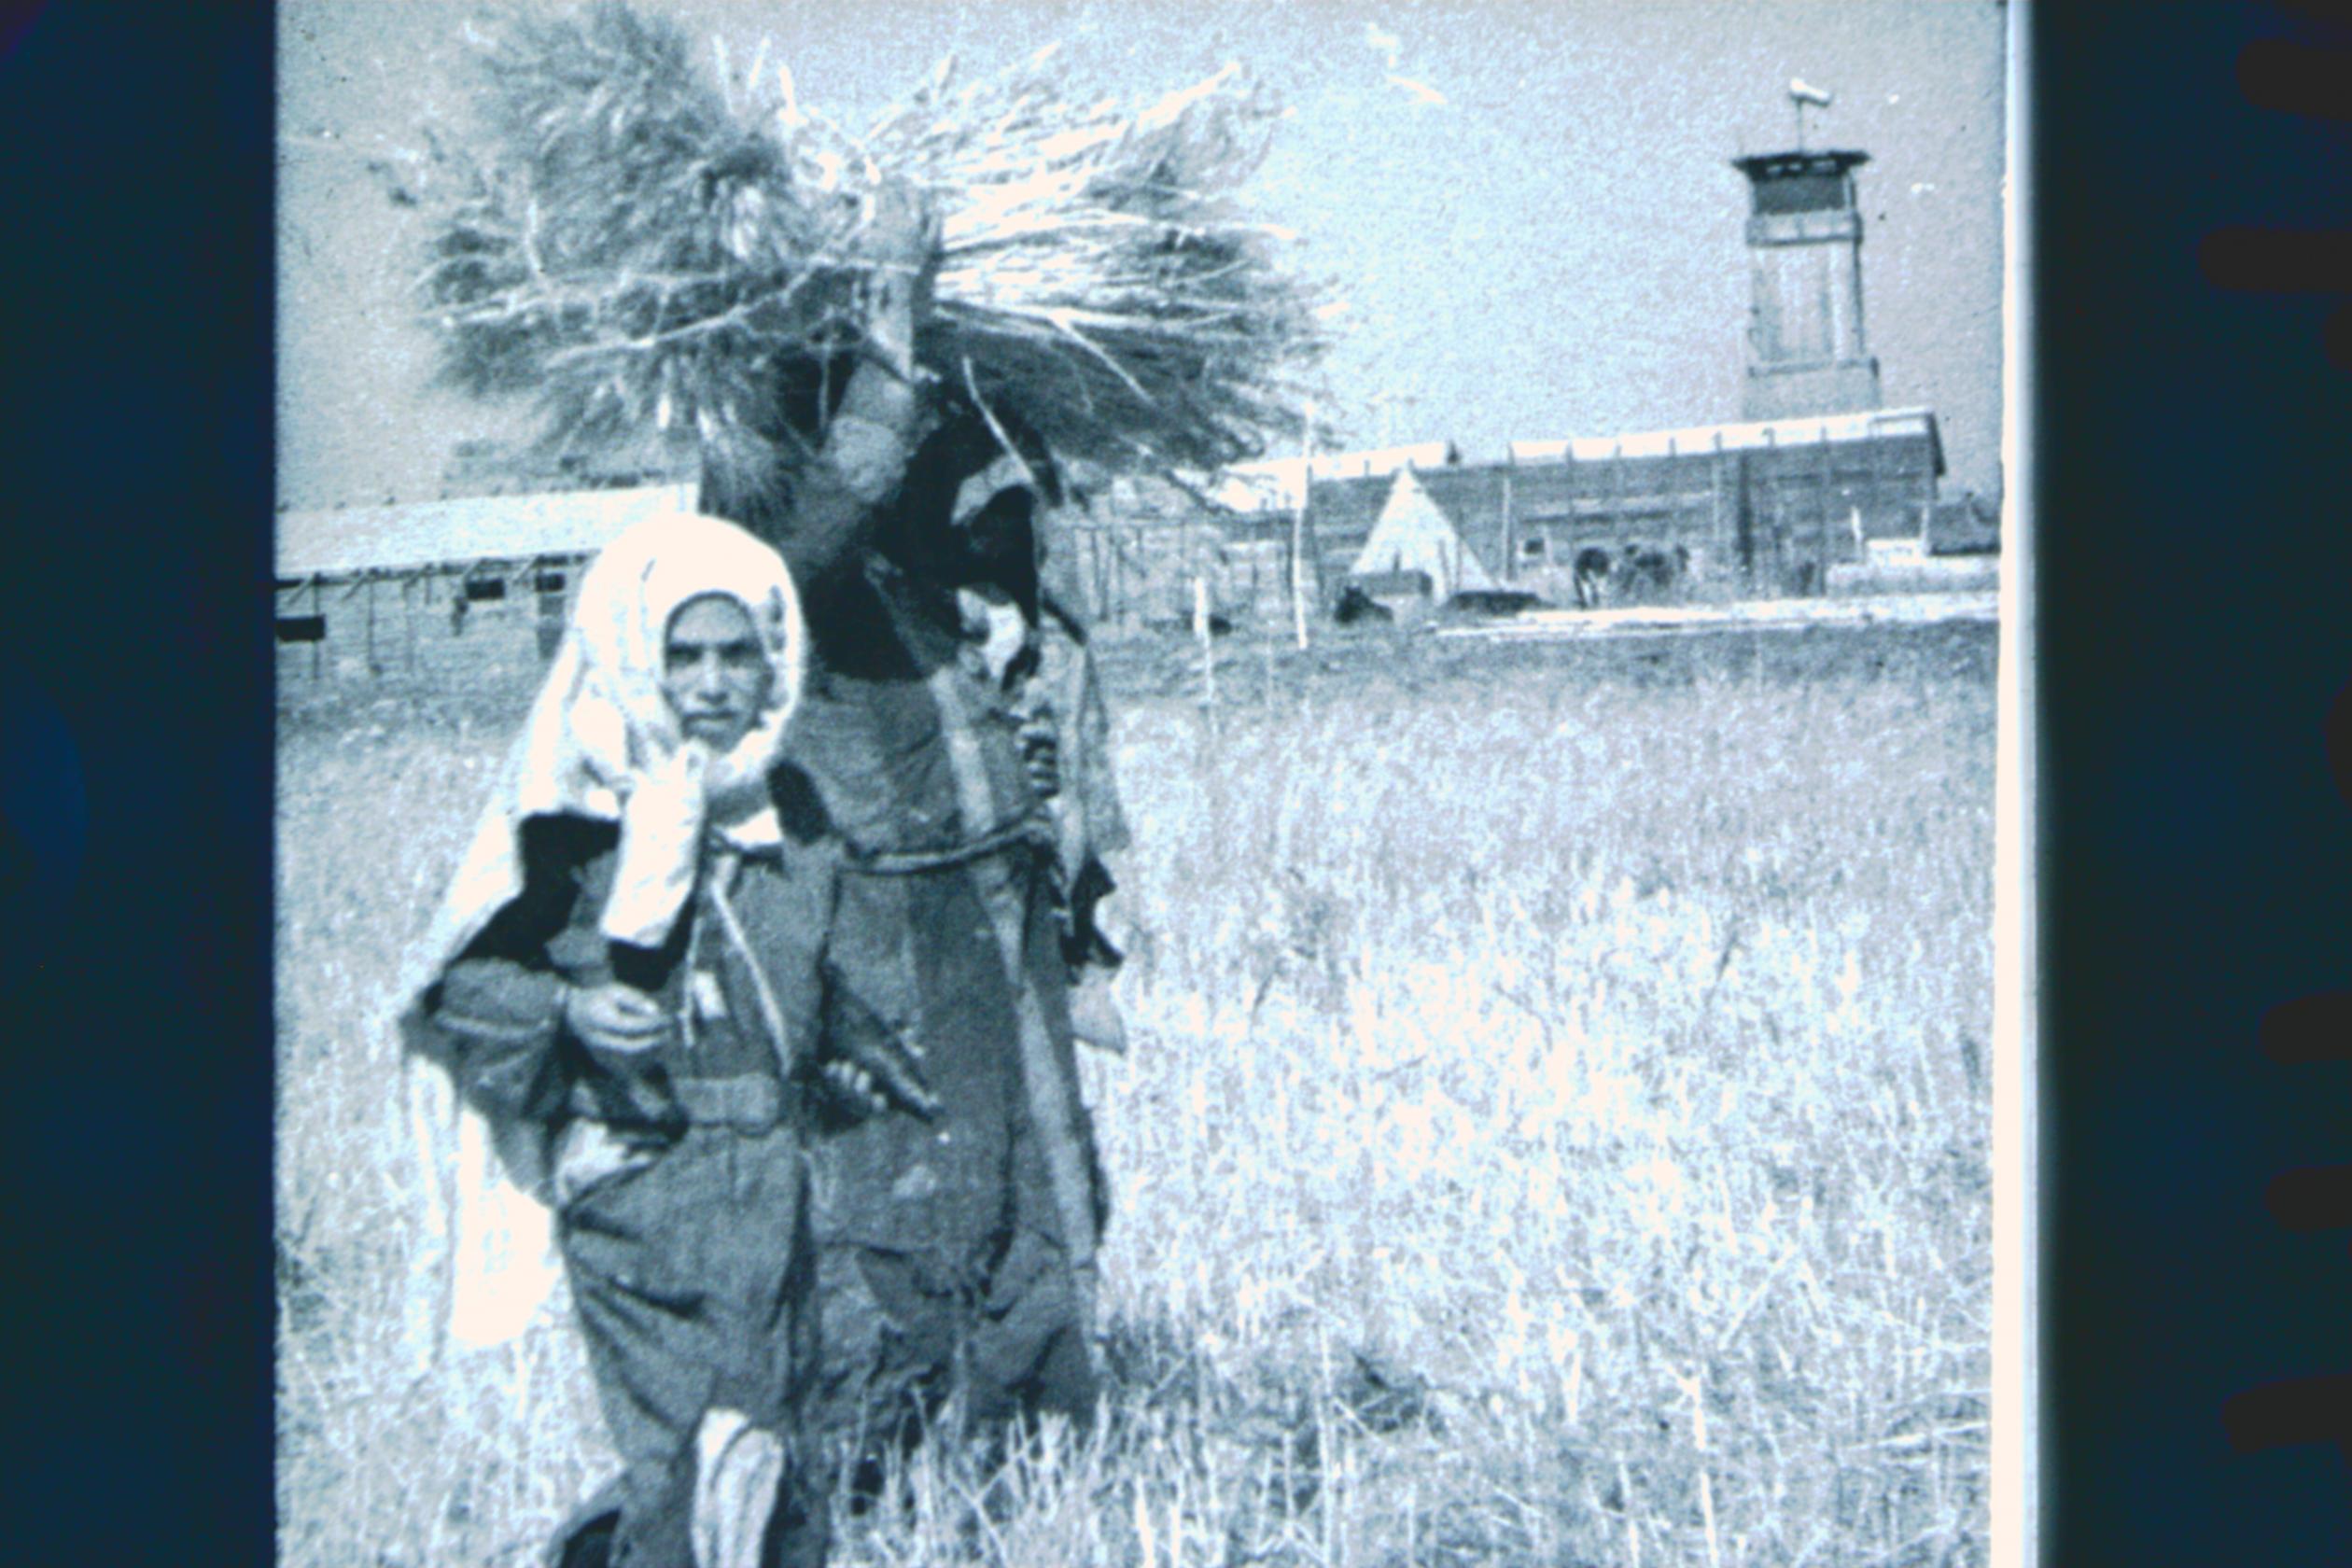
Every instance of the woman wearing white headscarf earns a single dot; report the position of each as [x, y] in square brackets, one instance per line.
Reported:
[622, 989]
[626, 1000]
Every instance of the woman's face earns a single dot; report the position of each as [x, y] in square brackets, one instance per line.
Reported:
[714, 672]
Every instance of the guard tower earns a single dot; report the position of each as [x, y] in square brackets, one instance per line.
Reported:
[1806, 352]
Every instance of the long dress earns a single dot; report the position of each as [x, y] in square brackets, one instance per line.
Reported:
[956, 1254]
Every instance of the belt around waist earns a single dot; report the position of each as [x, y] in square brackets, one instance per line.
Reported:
[1029, 834]
[753, 1102]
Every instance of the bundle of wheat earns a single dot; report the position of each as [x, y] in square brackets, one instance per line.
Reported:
[647, 248]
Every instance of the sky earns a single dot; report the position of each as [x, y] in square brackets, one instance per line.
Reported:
[1528, 208]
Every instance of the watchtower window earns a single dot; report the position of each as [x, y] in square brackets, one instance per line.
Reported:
[1533, 547]
[1796, 193]
[481, 588]
[550, 582]
[301, 628]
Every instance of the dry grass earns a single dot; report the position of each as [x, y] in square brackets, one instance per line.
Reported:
[1555, 1133]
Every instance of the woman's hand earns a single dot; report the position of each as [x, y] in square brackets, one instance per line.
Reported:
[875, 1076]
[1040, 753]
[615, 1018]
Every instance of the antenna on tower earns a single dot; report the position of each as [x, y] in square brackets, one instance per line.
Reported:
[1801, 94]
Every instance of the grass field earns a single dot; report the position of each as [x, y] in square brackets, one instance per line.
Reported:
[1555, 1131]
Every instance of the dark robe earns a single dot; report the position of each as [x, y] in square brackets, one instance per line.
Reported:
[956, 1254]
[679, 1182]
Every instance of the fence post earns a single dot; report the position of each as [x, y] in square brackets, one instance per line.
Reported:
[1510, 532]
[1824, 473]
[1927, 501]
[1208, 647]
[1716, 538]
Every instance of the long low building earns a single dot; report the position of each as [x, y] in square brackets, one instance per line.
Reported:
[444, 589]
[1769, 506]
[453, 590]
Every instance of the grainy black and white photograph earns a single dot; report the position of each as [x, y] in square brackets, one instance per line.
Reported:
[1088, 781]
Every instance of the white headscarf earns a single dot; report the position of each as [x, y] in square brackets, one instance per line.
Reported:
[601, 741]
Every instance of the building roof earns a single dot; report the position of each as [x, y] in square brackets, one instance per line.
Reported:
[345, 540]
[1340, 512]
[1276, 481]
[1874, 425]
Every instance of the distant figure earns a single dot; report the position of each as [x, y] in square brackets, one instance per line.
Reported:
[1592, 576]
[1357, 607]
[1651, 572]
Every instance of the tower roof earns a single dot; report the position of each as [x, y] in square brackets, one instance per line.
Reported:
[1762, 166]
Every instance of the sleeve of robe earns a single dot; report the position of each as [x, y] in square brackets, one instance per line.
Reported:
[499, 1006]
[1090, 825]
[816, 512]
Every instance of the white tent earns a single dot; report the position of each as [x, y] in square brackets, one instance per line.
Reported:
[1414, 533]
